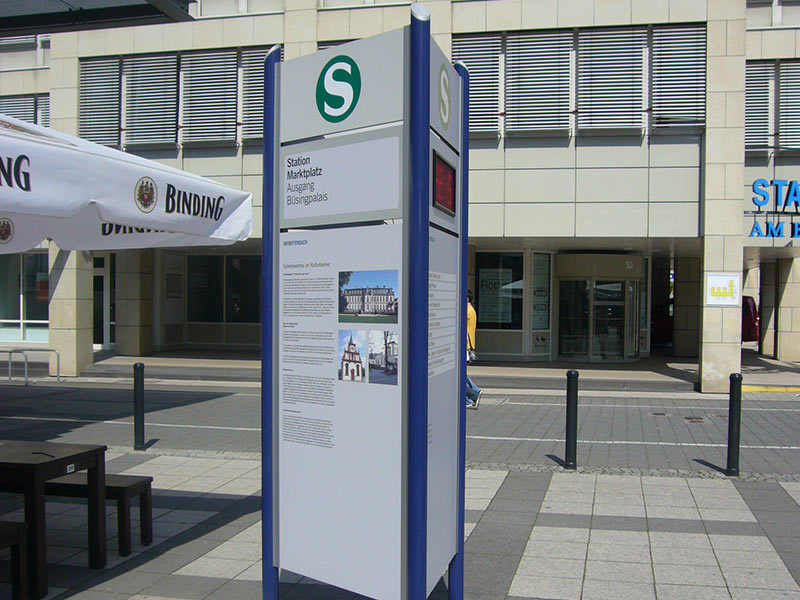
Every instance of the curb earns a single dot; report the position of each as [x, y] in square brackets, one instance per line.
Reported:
[559, 383]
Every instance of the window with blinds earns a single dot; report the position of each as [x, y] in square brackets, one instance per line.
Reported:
[19, 107]
[99, 100]
[43, 110]
[151, 99]
[331, 44]
[33, 108]
[758, 131]
[678, 97]
[537, 81]
[788, 107]
[610, 79]
[210, 81]
[481, 54]
[253, 92]
[17, 41]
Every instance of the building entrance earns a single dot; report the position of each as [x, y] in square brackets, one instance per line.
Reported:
[104, 300]
[597, 319]
[598, 314]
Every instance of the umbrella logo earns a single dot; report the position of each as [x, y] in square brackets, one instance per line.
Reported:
[6, 230]
[145, 195]
[338, 89]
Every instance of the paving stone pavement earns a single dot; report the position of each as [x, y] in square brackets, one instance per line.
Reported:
[660, 526]
[633, 432]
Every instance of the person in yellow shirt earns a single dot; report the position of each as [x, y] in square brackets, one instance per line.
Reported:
[473, 391]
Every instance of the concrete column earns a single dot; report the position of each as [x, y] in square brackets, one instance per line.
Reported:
[70, 309]
[788, 293]
[720, 331]
[134, 303]
[768, 309]
[686, 336]
[300, 28]
[750, 282]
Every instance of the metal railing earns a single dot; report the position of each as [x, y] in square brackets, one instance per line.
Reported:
[24, 352]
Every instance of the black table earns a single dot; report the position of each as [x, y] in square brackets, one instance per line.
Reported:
[26, 466]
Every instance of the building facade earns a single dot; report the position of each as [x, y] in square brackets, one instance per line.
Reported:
[624, 155]
[371, 300]
[352, 369]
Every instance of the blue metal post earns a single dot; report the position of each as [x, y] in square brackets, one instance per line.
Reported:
[269, 570]
[420, 65]
[455, 586]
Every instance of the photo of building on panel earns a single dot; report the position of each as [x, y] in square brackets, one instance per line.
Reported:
[368, 296]
[383, 352]
[352, 350]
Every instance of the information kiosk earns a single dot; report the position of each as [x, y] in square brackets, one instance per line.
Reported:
[365, 179]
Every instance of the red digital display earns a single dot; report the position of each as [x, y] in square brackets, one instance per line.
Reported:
[444, 185]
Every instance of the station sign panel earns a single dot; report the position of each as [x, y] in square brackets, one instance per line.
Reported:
[344, 387]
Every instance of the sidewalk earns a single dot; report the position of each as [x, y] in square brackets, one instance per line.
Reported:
[529, 535]
[642, 518]
[657, 373]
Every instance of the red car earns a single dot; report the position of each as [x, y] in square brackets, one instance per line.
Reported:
[751, 324]
[662, 321]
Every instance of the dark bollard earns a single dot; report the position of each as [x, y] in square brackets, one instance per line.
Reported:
[138, 406]
[734, 424]
[572, 420]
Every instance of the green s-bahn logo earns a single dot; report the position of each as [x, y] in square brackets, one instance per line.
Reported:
[338, 88]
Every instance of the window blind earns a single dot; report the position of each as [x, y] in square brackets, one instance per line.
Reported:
[151, 99]
[537, 81]
[99, 100]
[679, 76]
[19, 107]
[788, 108]
[757, 130]
[253, 92]
[611, 78]
[210, 82]
[43, 110]
[481, 54]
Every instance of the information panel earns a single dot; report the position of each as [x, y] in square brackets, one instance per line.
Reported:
[364, 212]
[340, 411]
[443, 371]
[314, 190]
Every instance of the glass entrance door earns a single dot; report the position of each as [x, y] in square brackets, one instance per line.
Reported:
[573, 318]
[598, 319]
[608, 342]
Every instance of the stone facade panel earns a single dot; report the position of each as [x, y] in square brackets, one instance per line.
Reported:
[301, 25]
[151, 39]
[539, 14]
[778, 43]
[366, 22]
[503, 15]
[612, 12]
[753, 45]
[395, 17]
[687, 10]
[469, 17]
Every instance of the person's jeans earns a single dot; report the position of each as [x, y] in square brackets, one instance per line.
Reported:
[472, 391]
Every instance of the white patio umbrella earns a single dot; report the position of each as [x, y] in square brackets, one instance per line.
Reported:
[84, 196]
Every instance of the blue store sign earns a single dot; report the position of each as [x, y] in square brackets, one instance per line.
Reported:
[776, 196]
